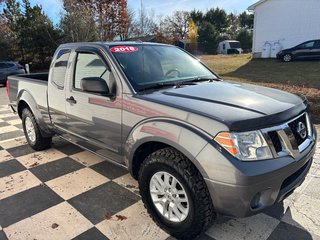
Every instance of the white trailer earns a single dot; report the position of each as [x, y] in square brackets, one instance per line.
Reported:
[226, 45]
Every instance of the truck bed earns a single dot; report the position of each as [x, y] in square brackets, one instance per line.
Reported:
[35, 76]
[25, 84]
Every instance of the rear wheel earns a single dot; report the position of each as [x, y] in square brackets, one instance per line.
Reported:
[32, 132]
[287, 57]
[175, 194]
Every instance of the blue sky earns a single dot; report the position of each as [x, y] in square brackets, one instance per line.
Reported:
[160, 7]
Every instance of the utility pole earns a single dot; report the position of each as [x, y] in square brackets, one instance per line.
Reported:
[141, 18]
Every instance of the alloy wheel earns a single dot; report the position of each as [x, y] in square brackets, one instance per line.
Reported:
[169, 197]
[30, 130]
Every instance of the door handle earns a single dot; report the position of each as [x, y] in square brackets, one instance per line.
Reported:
[71, 100]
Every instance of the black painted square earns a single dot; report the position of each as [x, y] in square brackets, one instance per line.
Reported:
[51, 170]
[18, 126]
[4, 124]
[109, 170]
[108, 198]
[286, 231]
[3, 236]
[26, 204]
[9, 135]
[92, 233]
[10, 167]
[69, 149]
[201, 237]
[14, 117]
[20, 150]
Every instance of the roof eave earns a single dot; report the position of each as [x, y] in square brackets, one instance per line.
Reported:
[253, 6]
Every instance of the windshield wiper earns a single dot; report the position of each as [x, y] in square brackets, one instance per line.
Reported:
[200, 79]
[178, 84]
[165, 84]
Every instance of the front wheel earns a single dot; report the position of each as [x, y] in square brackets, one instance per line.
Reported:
[32, 132]
[287, 57]
[175, 194]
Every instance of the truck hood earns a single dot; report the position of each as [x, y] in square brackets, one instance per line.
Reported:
[240, 106]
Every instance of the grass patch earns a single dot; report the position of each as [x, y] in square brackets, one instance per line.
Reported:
[299, 77]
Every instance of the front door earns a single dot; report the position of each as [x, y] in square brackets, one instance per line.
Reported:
[316, 49]
[304, 50]
[94, 119]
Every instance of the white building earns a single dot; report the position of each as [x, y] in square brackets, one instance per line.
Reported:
[289, 21]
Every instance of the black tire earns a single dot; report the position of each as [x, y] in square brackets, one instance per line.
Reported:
[201, 212]
[287, 57]
[40, 142]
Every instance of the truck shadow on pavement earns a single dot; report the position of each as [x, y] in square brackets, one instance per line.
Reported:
[271, 224]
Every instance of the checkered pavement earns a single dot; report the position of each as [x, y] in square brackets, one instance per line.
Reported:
[68, 193]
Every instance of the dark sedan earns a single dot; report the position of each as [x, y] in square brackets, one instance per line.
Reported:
[9, 68]
[306, 50]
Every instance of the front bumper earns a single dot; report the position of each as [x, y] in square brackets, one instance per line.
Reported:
[246, 188]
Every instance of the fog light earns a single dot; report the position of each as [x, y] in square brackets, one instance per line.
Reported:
[255, 202]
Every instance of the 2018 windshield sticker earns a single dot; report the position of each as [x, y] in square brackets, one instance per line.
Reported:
[124, 49]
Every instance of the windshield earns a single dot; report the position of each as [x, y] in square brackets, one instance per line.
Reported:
[148, 65]
[235, 45]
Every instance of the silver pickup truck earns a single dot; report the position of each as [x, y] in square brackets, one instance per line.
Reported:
[199, 146]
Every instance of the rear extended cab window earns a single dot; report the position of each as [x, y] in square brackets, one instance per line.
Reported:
[60, 68]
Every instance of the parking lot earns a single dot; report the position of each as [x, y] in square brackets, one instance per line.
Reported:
[68, 193]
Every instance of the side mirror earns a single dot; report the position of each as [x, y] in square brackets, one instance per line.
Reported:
[95, 85]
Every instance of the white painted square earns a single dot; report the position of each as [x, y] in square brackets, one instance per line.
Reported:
[5, 156]
[39, 158]
[58, 222]
[16, 183]
[13, 142]
[252, 228]
[7, 115]
[87, 158]
[128, 182]
[305, 214]
[8, 129]
[75, 183]
[15, 121]
[138, 225]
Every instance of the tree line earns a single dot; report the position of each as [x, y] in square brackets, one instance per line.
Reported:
[29, 35]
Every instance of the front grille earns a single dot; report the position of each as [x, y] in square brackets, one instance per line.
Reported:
[275, 141]
[286, 139]
[294, 125]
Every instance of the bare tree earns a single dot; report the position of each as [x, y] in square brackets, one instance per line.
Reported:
[78, 22]
[178, 24]
[129, 29]
[111, 17]
[124, 19]
[145, 24]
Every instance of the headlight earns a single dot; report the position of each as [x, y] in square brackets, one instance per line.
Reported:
[246, 146]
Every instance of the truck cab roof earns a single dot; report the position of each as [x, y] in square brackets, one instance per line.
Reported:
[110, 44]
